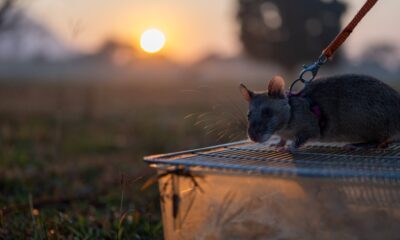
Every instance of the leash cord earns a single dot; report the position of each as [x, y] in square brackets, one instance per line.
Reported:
[328, 52]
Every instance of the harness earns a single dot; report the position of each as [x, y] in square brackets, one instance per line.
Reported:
[314, 107]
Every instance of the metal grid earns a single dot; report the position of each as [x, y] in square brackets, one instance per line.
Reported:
[314, 160]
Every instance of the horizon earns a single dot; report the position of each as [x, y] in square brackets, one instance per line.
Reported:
[77, 24]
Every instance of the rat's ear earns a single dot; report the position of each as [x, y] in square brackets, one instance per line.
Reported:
[276, 87]
[247, 94]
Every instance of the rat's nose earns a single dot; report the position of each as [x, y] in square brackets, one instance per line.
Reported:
[254, 136]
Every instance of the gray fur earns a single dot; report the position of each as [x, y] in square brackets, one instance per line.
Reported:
[355, 108]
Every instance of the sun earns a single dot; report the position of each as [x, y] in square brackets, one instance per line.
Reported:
[152, 40]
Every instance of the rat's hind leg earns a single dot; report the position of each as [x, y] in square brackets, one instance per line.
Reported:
[368, 145]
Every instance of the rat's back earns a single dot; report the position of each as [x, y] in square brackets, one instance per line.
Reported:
[356, 108]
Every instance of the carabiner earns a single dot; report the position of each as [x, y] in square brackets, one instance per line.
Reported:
[311, 68]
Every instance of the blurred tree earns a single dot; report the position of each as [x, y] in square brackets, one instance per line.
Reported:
[5, 7]
[8, 16]
[286, 31]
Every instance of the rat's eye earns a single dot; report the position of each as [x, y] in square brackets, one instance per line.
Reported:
[266, 112]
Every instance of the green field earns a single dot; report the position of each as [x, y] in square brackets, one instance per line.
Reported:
[71, 152]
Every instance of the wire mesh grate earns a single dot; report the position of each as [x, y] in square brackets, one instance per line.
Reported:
[313, 160]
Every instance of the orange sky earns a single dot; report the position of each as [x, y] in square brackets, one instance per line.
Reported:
[193, 28]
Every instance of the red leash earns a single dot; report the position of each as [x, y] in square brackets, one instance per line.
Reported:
[339, 40]
[328, 52]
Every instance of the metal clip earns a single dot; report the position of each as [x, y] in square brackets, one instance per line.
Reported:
[311, 68]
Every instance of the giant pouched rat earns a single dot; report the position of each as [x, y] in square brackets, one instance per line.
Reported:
[347, 108]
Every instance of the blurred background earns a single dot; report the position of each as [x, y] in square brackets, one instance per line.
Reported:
[87, 88]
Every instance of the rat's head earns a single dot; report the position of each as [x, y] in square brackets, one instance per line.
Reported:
[268, 112]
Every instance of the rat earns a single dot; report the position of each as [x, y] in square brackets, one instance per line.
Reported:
[358, 109]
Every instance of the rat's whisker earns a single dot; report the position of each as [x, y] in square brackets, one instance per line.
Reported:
[199, 122]
[190, 115]
[202, 115]
[211, 131]
[226, 118]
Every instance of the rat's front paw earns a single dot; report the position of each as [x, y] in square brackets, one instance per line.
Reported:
[286, 149]
[292, 149]
[281, 149]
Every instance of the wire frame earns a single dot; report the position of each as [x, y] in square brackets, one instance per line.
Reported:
[314, 160]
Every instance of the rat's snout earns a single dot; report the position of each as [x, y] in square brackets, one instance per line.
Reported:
[252, 132]
[256, 135]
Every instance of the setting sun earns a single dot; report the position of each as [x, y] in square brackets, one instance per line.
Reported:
[152, 40]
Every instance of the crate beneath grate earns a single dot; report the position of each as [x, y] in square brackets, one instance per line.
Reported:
[245, 190]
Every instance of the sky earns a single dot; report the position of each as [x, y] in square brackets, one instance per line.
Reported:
[193, 28]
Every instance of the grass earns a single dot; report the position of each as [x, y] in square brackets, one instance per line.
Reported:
[71, 153]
